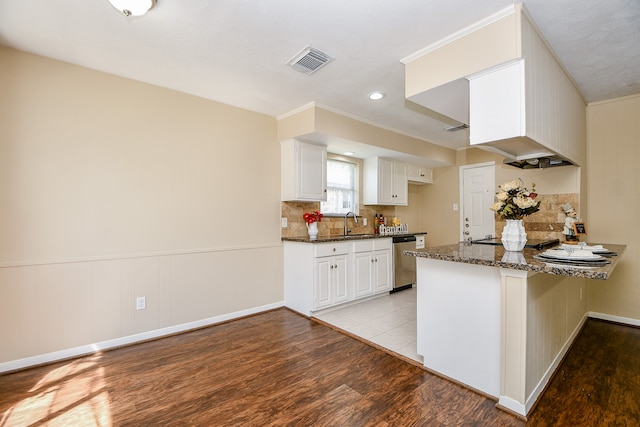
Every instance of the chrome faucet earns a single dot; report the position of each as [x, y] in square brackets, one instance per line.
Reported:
[346, 230]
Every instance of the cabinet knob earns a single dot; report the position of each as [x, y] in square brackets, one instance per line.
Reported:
[334, 249]
[336, 266]
[331, 267]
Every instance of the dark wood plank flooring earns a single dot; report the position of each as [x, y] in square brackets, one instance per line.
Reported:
[281, 369]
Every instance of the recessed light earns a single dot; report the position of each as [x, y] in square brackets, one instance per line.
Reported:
[349, 153]
[375, 96]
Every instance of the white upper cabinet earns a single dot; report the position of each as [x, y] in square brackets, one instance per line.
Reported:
[419, 174]
[385, 182]
[521, 102]
[303, 171]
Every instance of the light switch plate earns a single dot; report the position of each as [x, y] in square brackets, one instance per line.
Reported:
[283, 222]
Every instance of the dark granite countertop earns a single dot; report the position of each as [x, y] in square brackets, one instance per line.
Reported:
[496, 256]
[341, 238]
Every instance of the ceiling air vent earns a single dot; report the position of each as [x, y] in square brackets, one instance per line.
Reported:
[309, 60]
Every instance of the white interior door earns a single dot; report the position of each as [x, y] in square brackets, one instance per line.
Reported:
[478, 192]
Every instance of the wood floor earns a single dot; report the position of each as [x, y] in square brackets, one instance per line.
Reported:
[281, 369]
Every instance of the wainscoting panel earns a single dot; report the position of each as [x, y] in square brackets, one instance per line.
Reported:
[61, 306]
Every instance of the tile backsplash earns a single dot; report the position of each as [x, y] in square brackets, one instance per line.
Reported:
[330, 226]
[545, 224]
[548, 222]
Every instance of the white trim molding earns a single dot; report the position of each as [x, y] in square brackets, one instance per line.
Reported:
[612, 318]
[131, 339]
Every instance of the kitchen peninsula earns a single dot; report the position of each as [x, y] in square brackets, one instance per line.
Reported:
[497, 321]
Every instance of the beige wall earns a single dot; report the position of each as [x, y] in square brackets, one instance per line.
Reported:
[434, 207]
[463, 56]
[613, 156]
[112, 189]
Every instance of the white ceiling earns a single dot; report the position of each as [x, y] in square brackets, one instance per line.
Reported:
[235, 51]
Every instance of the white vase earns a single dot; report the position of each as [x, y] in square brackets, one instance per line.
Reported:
[313, 230]
[513, 236]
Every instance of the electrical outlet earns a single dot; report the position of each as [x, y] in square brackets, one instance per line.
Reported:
[364, 221]
[141, 303]
[455, 207]
[283, 222]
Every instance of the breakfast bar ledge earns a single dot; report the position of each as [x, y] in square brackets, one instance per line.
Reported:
[499, 322]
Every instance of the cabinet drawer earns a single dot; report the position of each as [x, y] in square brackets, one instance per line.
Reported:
[363, 245]
[382, 244]
[328, 249]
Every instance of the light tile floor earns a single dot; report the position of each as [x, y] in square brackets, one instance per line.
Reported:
[389, 321]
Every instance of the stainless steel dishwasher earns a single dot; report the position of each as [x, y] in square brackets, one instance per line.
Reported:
[404, 266]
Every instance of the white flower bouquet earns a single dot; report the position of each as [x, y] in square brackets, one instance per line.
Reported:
[515, 201]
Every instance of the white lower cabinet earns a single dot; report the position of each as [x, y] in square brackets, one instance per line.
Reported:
[372, 266]
[322, 275]
[331, 279]
[382, 278]
[364, 272]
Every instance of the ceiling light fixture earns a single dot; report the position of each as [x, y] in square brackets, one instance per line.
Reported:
[133, 7]
[375, 96]
[349, 153]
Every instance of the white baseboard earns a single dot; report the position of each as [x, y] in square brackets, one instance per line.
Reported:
[611, 318]
[512, 405]
[130, 339]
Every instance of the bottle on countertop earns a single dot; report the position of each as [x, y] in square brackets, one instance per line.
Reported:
[376, 225]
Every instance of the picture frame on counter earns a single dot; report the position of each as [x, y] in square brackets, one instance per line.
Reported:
[579, 228]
